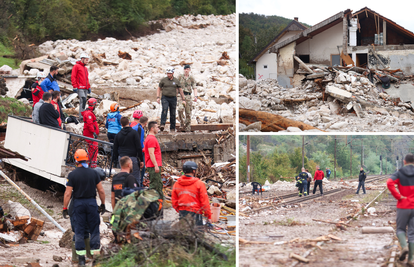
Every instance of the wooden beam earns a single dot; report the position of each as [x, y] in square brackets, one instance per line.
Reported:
[377, 230]
[303, 64]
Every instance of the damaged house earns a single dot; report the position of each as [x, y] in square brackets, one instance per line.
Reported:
[363, 39]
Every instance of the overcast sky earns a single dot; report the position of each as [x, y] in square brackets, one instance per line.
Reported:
[313, 12]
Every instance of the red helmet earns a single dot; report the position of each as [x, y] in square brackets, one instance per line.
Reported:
[92, 103]
[114, 107]
[81, 155]
[137, 114]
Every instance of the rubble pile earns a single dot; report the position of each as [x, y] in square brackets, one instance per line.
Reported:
[348, 99]
[206, 43]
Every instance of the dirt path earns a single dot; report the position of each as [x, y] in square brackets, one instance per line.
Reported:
[296, 221]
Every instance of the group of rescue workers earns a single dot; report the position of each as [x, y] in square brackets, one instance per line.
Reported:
[304, 179]
[135, 151]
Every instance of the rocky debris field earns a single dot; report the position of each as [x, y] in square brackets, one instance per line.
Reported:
[320, 231]
[333, 99]
[206, 43]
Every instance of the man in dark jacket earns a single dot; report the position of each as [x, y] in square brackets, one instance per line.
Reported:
[128, 143]
[48, 113]
[404, 180]
[303, 178]
[362, 177]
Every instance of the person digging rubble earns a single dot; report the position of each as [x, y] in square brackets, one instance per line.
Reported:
[303, 178]
[80, 81]
[83, 183]
[122, 180]
[136, 116]
[189, 195]
[48, 112]
[127, 143]
[91, 130]
[143, 121]
[317, 178]
[50, 84]
[37, 91]
[113, 122]
[257, 188]
[153, 160]
[404, 180]
[187, 82]
[362, 177]
[169, 87]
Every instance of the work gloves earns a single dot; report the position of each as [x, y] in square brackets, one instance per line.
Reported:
[101, 209]
[89, 91]
[75, 90]
[95, 135]
[65, 213]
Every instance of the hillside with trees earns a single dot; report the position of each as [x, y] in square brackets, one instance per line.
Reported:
[279, 157]
[255, 32]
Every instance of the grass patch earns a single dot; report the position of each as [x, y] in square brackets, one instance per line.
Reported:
[10, 105]
[13, 63]
[171, 255]
[44, 242]
[285, 222]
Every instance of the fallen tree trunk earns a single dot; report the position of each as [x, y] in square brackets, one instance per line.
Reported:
[377, 230]
[271, 122]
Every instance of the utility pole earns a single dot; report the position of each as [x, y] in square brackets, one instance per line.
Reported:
[335, 160]
[351, 158]
[381, 164]
[362, 153]
[248, 158]
[303, 151]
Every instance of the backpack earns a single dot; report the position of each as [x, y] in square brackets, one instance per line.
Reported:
[154, 208]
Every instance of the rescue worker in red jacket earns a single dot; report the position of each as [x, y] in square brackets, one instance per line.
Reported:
[91, 130]
[404, 180]
[37, 91]
[80, 81]
[189, 195]
[318, 177]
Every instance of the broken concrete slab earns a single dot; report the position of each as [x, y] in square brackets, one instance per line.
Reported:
[338, 93]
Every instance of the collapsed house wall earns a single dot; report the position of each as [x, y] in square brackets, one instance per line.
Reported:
[321, 46]
[270, 61]
[285, 65]
[399, 59]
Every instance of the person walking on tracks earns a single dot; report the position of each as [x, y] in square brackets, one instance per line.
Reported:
[83, 183]
[153, 160]
[318, 177]
[91, 130]
[404, 180]
[187, 82]
[362, 177]
[189, 195]
[80, 81]
[168, 89]
[303, 182]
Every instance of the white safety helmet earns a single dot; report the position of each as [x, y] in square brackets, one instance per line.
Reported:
[84, 55]
[40, 75]
[170, 70]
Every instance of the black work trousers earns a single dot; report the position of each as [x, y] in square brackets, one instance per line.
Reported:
[361, 184]
[168, 102]
[318, 183]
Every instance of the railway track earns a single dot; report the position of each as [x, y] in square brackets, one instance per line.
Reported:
[281, 199]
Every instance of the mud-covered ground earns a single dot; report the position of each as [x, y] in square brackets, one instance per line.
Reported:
[296, 221]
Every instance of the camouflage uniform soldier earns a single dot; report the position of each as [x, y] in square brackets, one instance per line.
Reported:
[188, 84]
[142, 204]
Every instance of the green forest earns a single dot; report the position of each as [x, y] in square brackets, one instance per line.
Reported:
[24, 22]
[255, 32]
[279, 157]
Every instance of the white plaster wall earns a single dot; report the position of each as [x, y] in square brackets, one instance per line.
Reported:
[268, 59]
[321, 46]
[400, 59]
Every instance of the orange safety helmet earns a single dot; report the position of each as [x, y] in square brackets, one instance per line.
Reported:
[114, 107]
[81, 155]
[92, 103]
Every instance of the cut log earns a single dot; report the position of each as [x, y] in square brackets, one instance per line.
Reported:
[303, 64]
[271, 122]
[377, 230]
[37, 228]
[299, 258]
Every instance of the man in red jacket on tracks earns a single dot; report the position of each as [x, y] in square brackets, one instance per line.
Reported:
[91, 130]
[318, 177]
[404, 180]
[189, 195]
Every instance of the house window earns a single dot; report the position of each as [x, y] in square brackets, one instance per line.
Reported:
[265, 66]
[305, 58]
